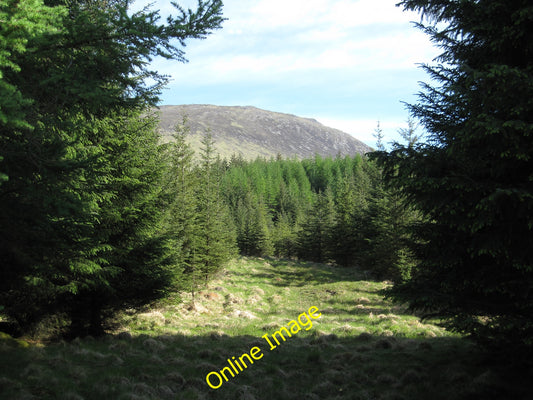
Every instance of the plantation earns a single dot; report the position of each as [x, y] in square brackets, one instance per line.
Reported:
[361, 347]
[404, 273]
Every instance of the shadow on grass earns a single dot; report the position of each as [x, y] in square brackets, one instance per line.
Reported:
[308, 365]
[290, 273]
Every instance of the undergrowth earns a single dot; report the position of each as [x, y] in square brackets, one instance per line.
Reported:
[361, 347]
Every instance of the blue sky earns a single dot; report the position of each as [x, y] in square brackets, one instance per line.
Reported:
[346, 63]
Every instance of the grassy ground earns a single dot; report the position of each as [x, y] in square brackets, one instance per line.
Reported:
[361, 347]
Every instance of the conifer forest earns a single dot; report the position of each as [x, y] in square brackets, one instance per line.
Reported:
[136, 267]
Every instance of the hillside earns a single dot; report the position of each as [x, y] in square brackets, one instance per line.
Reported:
[356, 345]
[253, 132]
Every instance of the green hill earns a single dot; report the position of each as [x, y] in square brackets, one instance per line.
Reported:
[252, 132]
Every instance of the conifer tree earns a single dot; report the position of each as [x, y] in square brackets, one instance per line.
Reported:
[390, 217]
[316, 235]
[472, 177]
[409, 134]
[66, 123]
[388, 252]
[346, 236]
[285, 236]
[183, 213]
[131, 258]
[260, 226]
[216, 238]
[378, 134]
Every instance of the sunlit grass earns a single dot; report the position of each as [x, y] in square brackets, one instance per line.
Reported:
[361, 347]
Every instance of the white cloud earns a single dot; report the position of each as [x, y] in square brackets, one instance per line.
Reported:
[365, 12]
[266, 38]
[352, 60]
[268, 15]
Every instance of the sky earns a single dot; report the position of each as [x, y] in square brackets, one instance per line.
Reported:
[346, 63]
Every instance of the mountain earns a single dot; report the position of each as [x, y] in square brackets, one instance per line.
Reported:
[253, 132]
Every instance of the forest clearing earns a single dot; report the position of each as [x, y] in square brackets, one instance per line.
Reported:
[133, 267]
[361, 347]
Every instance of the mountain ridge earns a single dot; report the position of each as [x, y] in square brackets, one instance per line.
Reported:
[253, 132]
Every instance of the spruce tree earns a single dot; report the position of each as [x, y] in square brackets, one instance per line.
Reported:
[346, 236]
[253, 233]
[216, 238]
[315, 242]
[378, 134]
[183, 214]
[285, 236]
[129, 257]
[66, 125]
[471, 179]
[388, 251]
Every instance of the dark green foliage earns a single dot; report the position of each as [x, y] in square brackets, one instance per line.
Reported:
[279, 208]
[351, 204]
[87, 221]
[182, 216]
[98, 61]
[387, 233]
[82, 198]
[258, 194]
[253, 236]
[21, 24]
[131, 259]
[285, 235]
[472, 178]
[197, 218]
[390, 220]
[315, 240]
[216, 234]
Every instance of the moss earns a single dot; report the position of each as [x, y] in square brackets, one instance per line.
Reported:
[7, 340]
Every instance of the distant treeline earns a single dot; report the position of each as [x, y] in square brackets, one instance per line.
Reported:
[321, 209]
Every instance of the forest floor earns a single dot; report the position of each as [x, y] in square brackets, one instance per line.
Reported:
[360, 346]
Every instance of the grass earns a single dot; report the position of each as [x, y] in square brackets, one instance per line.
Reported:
[361, 347]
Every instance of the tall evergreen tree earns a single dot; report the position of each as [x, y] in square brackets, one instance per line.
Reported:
[388, 252]
[285, 236]
[183, 214]
[472, 178]
[129, 257]
[253, 233]
[346, 236]
[216, 238]
[378, 134]
[63, 153]
[316, 235]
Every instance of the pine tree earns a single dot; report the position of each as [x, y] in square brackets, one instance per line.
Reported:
[183, 214]
[390, 217]
[131, 259]
[378, 134]
[388, 252]
[472, 178]
[22, 23]
[316, 236]
[216, 239]
[285, 237]
[346, 235]
[66, 125]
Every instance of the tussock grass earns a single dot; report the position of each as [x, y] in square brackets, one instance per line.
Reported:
[362, 346]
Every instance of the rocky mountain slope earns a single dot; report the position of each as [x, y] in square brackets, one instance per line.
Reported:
[253, 132]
